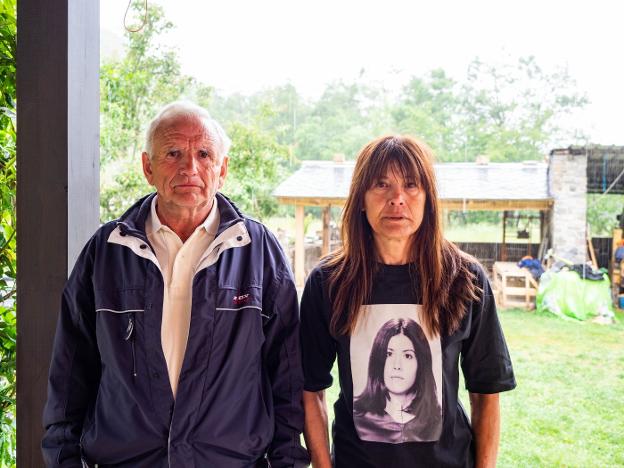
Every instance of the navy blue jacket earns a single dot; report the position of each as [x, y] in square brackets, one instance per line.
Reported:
[238, 402]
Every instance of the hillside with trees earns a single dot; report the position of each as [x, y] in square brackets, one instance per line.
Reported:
[509, 112]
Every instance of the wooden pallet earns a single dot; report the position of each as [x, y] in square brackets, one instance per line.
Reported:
[514, 286]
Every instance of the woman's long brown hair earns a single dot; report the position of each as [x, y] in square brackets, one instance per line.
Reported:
[446, 283]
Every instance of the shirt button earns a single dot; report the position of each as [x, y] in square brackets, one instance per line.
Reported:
[239, 238]
[143, 246]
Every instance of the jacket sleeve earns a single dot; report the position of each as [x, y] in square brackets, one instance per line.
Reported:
[283, 363]
[74, 368]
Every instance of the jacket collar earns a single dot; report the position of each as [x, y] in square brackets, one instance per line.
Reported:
[133, 220]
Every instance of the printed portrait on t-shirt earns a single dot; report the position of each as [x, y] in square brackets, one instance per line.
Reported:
[397, 376]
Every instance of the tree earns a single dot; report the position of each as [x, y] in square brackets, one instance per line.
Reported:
[513, 112]
[256, 165]
[508, 112]
[132, 89]
[147, 77]
[7, 231]
[430, 109]
[342, 120]
[602, 213]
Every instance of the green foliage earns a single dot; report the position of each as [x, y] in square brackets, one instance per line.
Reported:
[514, 111]
[429, 108]
[508, 112]
[602, 212]
[132, 89]
[342, 121]
[146, 78]
[256, 163]
[7, 232]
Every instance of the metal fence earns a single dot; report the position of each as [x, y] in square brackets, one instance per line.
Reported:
[490, 252]
[603, 247]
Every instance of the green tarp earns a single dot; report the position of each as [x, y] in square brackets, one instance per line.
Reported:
[566, 294]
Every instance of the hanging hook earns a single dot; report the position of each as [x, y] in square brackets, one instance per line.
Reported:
[142, 25]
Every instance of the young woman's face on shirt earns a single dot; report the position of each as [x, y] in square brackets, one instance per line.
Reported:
[401, 365]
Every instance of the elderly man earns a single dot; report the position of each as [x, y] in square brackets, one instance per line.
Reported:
[177, 342]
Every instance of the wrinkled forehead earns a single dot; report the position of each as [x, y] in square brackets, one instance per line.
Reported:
[187, 128]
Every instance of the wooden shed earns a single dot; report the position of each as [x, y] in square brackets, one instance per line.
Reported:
[461, 186]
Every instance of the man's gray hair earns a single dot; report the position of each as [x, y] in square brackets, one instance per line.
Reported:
[185, 109]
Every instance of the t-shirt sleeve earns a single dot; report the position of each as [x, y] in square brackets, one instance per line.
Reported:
[318, 347]
[485, 358]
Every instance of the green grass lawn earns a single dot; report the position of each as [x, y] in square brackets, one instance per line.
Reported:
[568, 408]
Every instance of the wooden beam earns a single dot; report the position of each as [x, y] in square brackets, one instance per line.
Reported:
[446, 204]
[326, 231]
[299, 246]
[311, 201]
[496, 205]
[57, 186]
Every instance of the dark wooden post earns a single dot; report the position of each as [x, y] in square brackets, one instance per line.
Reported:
[57, 186]
[504, 246]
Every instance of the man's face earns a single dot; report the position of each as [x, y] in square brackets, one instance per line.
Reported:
[184, 167]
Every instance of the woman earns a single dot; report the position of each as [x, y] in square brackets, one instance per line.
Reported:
[399, 403]
[395, 263]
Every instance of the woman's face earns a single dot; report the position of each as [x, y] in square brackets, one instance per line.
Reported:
[401, 365]
[394, 206]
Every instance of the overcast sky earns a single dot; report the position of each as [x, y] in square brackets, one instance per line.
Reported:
[245, 45]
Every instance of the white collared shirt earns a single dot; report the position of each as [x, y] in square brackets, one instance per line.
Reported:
[178, 263]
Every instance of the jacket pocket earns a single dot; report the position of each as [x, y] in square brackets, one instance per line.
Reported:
[119, 301]
[119, 317]
[248, 299]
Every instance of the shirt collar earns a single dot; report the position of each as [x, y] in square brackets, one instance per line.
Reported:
[210, 224]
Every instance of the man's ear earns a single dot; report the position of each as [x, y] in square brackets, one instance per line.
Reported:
[224, 170]
[147, 168]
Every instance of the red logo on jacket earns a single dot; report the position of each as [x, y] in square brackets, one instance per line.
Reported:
[243, 298]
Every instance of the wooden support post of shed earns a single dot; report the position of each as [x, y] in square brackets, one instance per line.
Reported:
[504, 246]
[326, 230]
[299, 247]
[58, 58]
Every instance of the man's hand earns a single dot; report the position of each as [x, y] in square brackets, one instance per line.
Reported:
[485, 417]
[315, 431]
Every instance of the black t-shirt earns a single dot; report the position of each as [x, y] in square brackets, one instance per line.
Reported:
[398, 404]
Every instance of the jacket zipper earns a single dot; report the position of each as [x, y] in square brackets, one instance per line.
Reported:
[169, 436]
[130, 330]
[130, 336]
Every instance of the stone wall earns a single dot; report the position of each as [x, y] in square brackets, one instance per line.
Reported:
[567, 180]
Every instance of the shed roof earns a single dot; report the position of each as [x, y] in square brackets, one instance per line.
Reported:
[508, 185]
